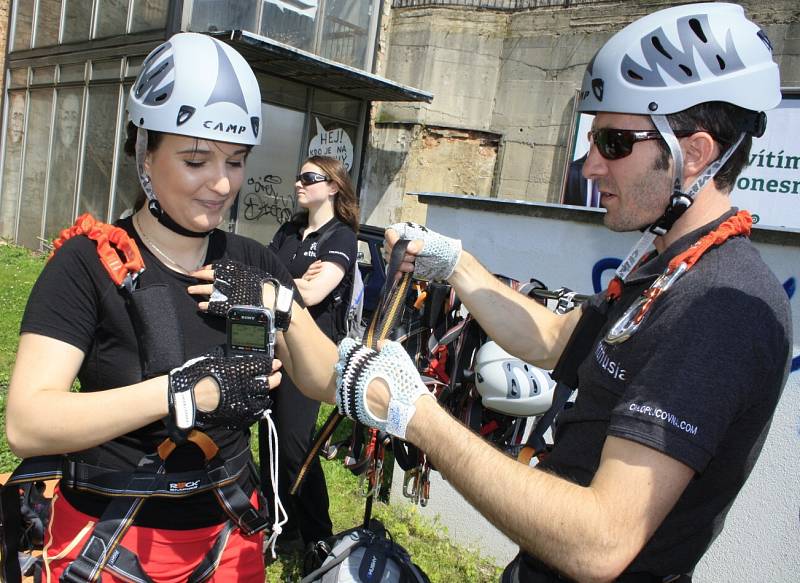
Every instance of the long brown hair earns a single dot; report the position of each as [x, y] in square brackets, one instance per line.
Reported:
[345, 204]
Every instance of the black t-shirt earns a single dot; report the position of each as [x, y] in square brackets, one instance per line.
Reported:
[339, 246]
[75, 301]
[699, 381]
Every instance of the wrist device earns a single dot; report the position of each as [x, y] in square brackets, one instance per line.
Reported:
[282, 304]
[250, 330]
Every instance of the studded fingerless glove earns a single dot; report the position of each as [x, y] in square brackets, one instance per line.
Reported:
[243, 387]
[235, 284]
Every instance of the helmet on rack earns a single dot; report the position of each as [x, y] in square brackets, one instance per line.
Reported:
[195, 85]
[682, 56]
[510, 386]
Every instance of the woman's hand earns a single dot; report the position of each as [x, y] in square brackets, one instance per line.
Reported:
[206, 274]
[206, 392]
[313, 271]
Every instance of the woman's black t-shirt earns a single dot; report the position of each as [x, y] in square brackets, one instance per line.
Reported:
[75, 301]
[339, 245]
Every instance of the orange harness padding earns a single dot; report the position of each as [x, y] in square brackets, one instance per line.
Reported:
[118, 252]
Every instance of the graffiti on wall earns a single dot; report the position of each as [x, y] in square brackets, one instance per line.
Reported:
[262, 200]
[611, 263]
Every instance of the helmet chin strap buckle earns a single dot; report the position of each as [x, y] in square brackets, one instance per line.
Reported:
[679, 203]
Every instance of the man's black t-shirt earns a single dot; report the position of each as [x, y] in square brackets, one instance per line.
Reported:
[699, 381]
[75, 301]
[339, 246]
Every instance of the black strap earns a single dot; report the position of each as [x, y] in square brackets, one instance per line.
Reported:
[565, 373]
[383, 320]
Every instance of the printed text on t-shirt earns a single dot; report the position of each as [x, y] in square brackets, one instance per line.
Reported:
[659, 413]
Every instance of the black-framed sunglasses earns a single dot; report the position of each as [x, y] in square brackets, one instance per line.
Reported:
[613, 144]
[309, 178]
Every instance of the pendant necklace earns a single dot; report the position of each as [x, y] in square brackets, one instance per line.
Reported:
[151, 244]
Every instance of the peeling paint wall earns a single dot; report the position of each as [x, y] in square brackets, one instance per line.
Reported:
[512, 74]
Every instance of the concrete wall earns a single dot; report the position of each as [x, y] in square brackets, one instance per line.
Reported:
[509, 74]
[762, 534]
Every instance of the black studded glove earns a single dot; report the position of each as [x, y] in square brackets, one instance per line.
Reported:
[235, 284]
[243, 388]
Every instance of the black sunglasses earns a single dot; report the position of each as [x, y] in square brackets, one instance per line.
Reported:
[309, 178]
[614, 144]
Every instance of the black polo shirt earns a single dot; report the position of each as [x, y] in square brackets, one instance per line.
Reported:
[339, 245]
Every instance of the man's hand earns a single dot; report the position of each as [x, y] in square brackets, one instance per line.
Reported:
[429, 255]
[363, 377]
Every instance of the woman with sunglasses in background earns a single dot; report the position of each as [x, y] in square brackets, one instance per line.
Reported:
[318, 246]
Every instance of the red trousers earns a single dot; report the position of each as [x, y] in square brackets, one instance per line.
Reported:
[167, 556]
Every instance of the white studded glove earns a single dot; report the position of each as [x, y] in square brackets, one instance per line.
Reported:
[439, 254]
[359, 365]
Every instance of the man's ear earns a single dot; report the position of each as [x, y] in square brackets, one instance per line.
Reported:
[699, 150]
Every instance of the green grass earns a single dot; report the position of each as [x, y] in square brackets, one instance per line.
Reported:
[424, 539]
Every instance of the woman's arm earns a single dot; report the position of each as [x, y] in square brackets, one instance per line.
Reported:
[323, 279]
[44, 417]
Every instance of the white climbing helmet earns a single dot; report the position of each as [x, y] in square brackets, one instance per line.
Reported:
[195, 85]
[682, 56]
[510, 386]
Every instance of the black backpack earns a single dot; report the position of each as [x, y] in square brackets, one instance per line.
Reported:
[361, 555]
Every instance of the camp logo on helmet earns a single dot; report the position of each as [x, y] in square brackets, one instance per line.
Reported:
[227, 88]
[183, 486]
[221, 126]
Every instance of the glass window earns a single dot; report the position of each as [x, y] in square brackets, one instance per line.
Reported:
[98, 153]
[112, 18]
[149, 15]
[267, 199]
[37, 143]
[128, 189]
[211, 15]
[19, 77]
[334, 105]
[77, 21]
[63, 161]
[346, 31]
[328, 137]
[48, 21]
[12, 162]
[23, 24]
[72, 73]
[106, 69]
[282, 92]
[43, 75]
[291, 22]
[132, 66]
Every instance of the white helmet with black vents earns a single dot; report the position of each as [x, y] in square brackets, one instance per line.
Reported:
[680, 57]
[510, 386]
[195, 85]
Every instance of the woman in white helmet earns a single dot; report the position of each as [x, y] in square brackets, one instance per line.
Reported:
[157, 481]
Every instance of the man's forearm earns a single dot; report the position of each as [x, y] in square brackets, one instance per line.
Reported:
[520, 325]
[559, 522]
[312, 357]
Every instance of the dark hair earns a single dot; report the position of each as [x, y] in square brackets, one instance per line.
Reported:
[345, 204]
[153, 142]
[723, 121]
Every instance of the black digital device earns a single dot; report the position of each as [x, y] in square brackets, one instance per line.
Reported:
[251, 330]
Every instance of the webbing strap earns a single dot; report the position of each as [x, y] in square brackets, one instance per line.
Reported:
[384, 319]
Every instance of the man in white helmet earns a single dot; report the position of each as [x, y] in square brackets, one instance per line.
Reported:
[689, 346]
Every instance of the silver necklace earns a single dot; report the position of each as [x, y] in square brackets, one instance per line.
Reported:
[151, 244]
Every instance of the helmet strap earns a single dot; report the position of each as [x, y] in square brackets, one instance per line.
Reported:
[147, 186]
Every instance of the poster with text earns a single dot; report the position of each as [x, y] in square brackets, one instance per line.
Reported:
[770, 186]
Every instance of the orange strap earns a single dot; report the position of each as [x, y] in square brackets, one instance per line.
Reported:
[738, 224]
[117, 251]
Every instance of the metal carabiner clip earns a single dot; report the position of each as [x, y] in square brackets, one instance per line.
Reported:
[636, 313]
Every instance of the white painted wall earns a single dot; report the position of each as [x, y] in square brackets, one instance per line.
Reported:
[761, 541]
